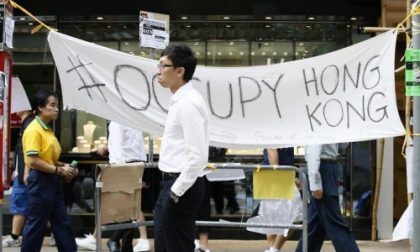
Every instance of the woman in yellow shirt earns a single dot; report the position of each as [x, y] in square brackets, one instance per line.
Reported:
[46, 203]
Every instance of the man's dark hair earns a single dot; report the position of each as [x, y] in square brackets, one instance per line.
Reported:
[40, 99]
[182, 56]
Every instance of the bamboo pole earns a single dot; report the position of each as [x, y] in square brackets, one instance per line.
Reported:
[374, 233]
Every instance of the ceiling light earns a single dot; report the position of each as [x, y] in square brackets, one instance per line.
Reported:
[241, 53]
[197, 53]
[188, 26]
[311, 18]
[348, 26]
[99, 18]
[219, 53]
[230, 53]
[226, 18]
[30, 23]
[353, 18]
[301, 43]
[268, 18]
[126, 43]
[266, 44]
[196, 43]
[231, 43]
[263, 53]
[274, 53]
[184, 17]
[209, 53]
[252, 53]
[108, 26]
[228, 26]
[267, 26]
[285, 53]
[308, 26]
[22, 18]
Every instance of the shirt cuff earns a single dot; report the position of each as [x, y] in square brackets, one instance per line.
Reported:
[315, 182]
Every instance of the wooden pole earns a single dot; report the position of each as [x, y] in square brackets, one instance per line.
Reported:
[374, 233]
[381, 143]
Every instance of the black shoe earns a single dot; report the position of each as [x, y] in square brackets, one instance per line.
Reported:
[113, 246]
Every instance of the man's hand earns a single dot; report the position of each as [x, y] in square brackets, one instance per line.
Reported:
[317, 194]
[102, 151]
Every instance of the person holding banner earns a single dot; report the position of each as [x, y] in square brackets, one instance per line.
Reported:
[324, 215]
[45, 196]
[183, 153]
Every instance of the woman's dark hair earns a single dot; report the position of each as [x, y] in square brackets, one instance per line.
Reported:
[182, 56]
[40, 99]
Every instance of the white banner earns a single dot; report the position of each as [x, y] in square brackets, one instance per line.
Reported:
[20, 101]
[344, 96]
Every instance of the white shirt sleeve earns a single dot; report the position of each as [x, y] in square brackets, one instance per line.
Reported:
[194, 123]
[313, 159]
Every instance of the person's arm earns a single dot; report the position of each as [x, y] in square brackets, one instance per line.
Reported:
[35, 162]
[31, 142]
[313, 159]
[194, 123]
[115, 143]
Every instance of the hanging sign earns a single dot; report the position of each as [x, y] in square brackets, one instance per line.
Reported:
[153, 30]
[412, 72]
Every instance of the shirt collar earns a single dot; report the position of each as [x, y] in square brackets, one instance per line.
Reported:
[179, 93]
[42, 123]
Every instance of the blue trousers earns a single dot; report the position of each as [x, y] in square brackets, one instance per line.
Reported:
[46, 203]
[175, 223]
[324, 216]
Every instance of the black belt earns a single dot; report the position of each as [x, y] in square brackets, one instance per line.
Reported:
[169, 175]
[329, 161]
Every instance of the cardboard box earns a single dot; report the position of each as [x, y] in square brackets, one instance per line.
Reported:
[121, 192]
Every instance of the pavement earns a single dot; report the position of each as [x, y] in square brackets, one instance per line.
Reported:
[260, 246]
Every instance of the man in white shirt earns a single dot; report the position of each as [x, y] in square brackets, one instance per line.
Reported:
[125, 145]
[324, 214]
[183, 154]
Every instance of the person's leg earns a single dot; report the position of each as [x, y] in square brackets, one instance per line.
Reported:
[280, 240]
[203, 214]
[336, 227]
[230, 193]
[204, 241]
[40, 205]
[17, 224]
[330, 213]
[142, 229]
[270, 240]
[127, 240]
[142, 243]
[60, 223]
[158, 229]
[217, 194]
[316, 232]
[179, 218]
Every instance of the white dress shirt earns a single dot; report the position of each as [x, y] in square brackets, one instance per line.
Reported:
[125, 144]
[185, 142]
[313, 156]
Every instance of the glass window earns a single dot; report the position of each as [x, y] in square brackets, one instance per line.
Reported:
[265, 52]
[227, 53]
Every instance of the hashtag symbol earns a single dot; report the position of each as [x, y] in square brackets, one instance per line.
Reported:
[80, 67]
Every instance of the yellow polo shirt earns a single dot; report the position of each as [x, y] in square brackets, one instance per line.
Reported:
[39, 140]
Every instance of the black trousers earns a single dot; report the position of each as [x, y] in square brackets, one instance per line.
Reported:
[175, 223]
[126, 236]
